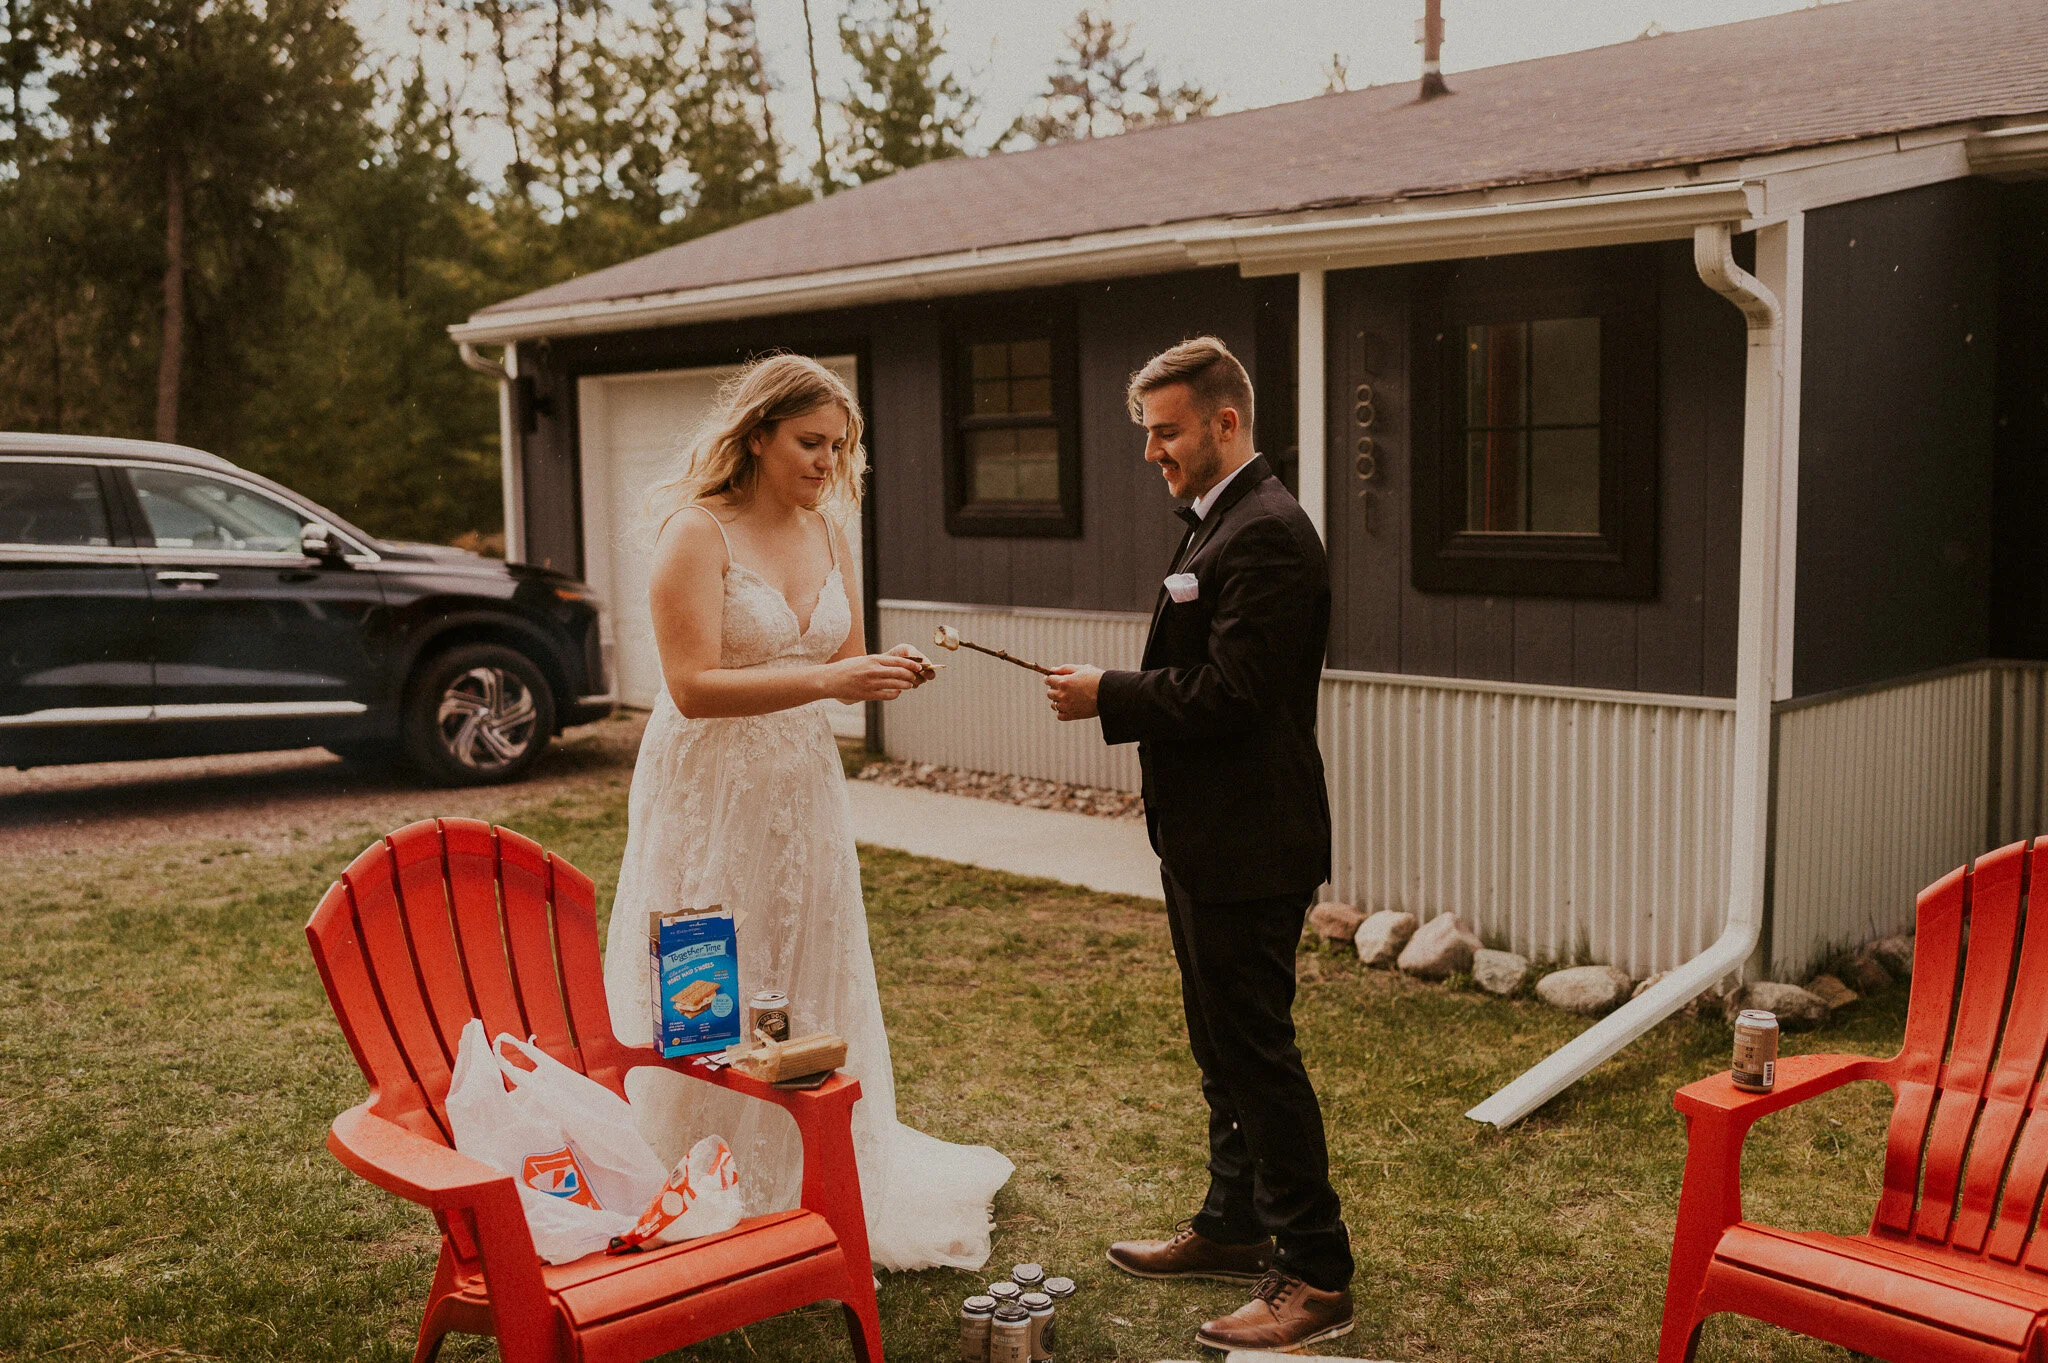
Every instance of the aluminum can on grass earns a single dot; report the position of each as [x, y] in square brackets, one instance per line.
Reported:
[1041, 1339]
[1009, 1338]
[1027, 1276]
[1004, 1292]
[1059, 1289]
[976, 1316]
[1756, 1051]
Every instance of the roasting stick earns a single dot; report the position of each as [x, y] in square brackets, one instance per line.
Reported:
[945, 636]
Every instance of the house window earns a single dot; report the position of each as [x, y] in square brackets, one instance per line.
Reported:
[1535, 434]
[1015, 468]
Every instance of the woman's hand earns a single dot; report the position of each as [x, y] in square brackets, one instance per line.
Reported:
[925, 671]
[870, 676]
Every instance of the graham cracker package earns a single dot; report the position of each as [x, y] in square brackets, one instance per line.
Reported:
[694, 956]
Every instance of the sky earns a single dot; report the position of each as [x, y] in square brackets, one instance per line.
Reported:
[1252, 54]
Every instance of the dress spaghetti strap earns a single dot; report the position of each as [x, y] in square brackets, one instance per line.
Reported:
[831, 544]
[699, 506]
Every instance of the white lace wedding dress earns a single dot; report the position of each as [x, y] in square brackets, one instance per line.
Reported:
[752, 813]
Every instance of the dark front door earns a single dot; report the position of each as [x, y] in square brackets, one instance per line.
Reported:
[247, 628]
[74, 608]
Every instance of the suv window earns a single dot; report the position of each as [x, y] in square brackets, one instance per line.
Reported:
[192, 511]
[52, 504]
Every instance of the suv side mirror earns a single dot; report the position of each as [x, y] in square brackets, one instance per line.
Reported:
[316, 540]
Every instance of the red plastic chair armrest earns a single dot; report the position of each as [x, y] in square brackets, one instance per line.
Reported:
[408, 1165]
[1799, 1077]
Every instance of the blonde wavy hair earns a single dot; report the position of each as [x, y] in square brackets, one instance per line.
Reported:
[717, 459]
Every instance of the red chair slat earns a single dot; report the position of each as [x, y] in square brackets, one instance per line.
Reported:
[472, 851]
[338, 953]
[423, 896]
[2022, 1192]
[523, 878]
[1994, 915]
[1937, 949]
[2008, 1093]
[582, 975]
[373, 887]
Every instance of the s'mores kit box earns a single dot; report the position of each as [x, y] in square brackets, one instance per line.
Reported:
[694, 956]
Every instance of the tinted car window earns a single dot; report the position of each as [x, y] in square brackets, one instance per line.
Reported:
[192, 511]
[54, 504]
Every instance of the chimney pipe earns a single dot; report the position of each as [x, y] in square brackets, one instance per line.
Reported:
[1429, 31]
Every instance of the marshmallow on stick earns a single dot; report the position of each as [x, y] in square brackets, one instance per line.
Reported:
[945, 636]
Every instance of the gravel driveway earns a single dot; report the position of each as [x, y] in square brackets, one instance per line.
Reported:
[272, 801]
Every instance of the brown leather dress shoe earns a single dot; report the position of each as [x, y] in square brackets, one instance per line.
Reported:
[1190, 1254]
[1283, 1315]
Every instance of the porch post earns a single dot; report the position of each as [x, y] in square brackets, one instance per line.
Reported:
[1310, 434]
[512, 483]
[1781, 265]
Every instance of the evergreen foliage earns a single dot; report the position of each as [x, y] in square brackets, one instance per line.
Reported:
[904, 109]
[1101, 86]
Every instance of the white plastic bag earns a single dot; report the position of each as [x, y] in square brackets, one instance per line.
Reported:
[700, 1197]
[584, 1174]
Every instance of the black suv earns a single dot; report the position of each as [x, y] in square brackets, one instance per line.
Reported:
[157, 601]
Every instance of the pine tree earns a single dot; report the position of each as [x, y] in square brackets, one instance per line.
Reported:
[1101, 86]
[903, 108]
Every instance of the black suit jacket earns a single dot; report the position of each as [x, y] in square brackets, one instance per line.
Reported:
[1224, 708]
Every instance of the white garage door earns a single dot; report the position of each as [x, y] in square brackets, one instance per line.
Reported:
[633, 430]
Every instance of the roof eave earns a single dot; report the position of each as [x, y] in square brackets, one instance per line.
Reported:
[1384, 233]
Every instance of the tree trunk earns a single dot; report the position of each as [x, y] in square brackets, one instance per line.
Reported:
[817, 104]
[170, 362]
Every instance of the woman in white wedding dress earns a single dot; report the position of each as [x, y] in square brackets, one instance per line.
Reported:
[739, 799]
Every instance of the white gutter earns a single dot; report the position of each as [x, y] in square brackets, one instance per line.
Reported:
[2021, 151]
[1756, 649]
[1385, 234]
[511, 487]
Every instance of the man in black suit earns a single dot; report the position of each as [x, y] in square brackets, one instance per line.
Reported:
[1223, 710]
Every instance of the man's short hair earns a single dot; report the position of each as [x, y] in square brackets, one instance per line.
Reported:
[1209, 370]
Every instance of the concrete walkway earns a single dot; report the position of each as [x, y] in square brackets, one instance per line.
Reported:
[1111, 855]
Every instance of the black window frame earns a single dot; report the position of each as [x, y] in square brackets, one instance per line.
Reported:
[1616, 285]
[1008, 321]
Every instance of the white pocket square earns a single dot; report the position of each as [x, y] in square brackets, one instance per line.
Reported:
[1183, 587]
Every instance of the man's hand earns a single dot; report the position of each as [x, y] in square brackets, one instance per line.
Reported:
[1071, 688]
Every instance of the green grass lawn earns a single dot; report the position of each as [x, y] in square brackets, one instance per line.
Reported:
[168, 1067]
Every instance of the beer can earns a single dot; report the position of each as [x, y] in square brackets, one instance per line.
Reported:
[976, 1316]
[1756, 1051]
[1059, 1289]
[768, 1011]
[1027, 1276]
[1009, 1336]
[1005, 1292]
[1040, 1341]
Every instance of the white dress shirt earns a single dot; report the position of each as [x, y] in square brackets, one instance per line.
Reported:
[1208, 499]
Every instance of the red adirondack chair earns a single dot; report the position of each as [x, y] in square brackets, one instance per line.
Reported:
[1952, 1268]
[450, 919]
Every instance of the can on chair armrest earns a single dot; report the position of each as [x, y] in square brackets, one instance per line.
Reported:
[768, 1011]
[1756, 1051]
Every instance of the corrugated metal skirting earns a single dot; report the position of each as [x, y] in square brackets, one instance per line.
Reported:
[1565, 825]
[985, 714]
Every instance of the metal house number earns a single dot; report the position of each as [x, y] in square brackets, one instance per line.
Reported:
[1366, 463]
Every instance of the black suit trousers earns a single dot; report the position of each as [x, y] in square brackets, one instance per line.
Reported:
[1269, 1169]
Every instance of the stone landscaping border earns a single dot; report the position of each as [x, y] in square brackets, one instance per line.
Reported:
[1446, 947]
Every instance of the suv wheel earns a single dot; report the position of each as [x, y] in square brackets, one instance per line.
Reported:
[477, 714]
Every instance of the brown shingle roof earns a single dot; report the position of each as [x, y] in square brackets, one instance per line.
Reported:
[1852, 69]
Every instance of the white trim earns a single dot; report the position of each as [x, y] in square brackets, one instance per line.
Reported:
[152, 714]
[1311, 416]
[1389, 238]
[511, 475]
[1661, 700]
[1781, 265]
[268, 709]
[1038, 612]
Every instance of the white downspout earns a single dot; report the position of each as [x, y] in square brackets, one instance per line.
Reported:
[512, 488]
[1756, 664]
[1311, 442]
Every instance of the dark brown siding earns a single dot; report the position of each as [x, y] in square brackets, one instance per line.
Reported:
[1680, 642]
[2019, 601]
[1896, 435]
